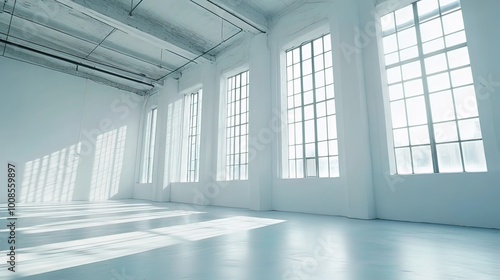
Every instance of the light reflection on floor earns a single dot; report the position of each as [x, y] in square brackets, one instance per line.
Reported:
[56, 256]
[116, 240]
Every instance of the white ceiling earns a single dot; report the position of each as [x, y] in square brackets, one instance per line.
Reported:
[129, 44]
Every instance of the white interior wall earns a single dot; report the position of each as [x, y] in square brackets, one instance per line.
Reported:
[351, 194]
[459, 199]
[41, 114]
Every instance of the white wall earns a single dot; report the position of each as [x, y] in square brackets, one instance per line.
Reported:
[459, 199]
[41, 114]
[351, 194]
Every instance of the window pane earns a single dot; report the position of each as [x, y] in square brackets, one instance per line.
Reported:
[323, 167]
[308, 83]
[453, 22]
[390, 44]
[422, 160]
[327, 41]
[449, 5]
[403, 161]
[394, 75]
[299, 151]
[318, 46]
[307, 67]
[438, 82]
[419, 135]
[445, 132]
[396, 92]
[407, 38]
[308, 112]
[427, 9]
[334, 166]
[436, 64]
[308, 97]
[323, 149]
[431, 30]
[300, 168]
[330, 91]
[404, 17]
[328, 59]
[322, 129]
[408, 53]
[310, 150]
[455, 39]
[401, 137]
[296, 71]
[311, 167]
[320, 94]
[474, 158]
[442, 106]
[298, 133]
[330, 105]
[333, 149]
[416, 111]
[289, 60]
[309, 131]
[319, 63]
[321, 109]
[449, 158]
[459, 57]
[413, 88]
[411, 70]
[296, 56]
[398, 113]
[329, 76]
[465, 102]
[388, 24]
[320, 79]
[332, 127]
[306, 51]
[461, 77]
[470, 129]
[434, 45]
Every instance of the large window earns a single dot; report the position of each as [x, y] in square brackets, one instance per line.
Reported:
[237, 127]
[193, 126]
[312, 123]
[149, 147]
[435, 119]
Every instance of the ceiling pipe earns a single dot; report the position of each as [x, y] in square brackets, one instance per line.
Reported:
[133, 9]
[79, 64]
[232, 14]
[211, 49]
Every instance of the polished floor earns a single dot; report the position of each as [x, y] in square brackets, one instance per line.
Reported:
[136, 240]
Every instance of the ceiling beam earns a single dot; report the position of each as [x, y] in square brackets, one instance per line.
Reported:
[137, 26]
[236, 12]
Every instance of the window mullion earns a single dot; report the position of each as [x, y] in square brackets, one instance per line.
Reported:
[233, 166]
[190, 123]
[197, 138]
[430, 124]
[240, 126]
[315, 104]
[304, 156]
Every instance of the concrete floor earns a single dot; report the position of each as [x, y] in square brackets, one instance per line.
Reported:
[135, 240]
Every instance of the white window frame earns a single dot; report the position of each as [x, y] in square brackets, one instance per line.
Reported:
[434, 143]
[192, 136]
[148, 146]
[228, 155]
[289, 157]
